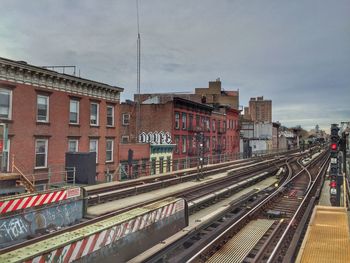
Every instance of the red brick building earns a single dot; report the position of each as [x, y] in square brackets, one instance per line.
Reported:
[47, 114]
[175, 120]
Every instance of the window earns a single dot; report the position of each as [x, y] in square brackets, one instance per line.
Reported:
[73, 145]
[110, 115]
[74, 111]
[161, 165]
[177, 140]
[190, 122]
[207, 124]
[5, 103]
[184, 144]
[109, 150]
[168, 164]
[184, 119]
[41, 153]
[197, 121]
[125, 139]
[94, 147]
[94, 110]
[213, 124]
[126, 118]
[214, 142]
[153, 166]
[42, 108]
[177, 120]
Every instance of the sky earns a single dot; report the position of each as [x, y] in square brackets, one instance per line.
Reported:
[296, 53]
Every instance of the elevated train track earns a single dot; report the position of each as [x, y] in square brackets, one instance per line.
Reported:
[217, 189]
[251, 208]
[285, 207]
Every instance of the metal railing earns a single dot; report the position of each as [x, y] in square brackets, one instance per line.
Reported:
[28, 184]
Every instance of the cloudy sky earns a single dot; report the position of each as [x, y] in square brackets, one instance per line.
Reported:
[296, 53]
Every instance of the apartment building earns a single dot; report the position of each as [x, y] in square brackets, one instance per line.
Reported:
[46, 114]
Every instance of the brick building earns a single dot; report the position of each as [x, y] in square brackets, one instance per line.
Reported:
[171, 120]
[259, 110]
[46, 114]
[213, 95]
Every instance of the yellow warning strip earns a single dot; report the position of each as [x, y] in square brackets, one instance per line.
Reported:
[327, 237]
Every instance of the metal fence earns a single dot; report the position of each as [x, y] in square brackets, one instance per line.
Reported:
[148, 167]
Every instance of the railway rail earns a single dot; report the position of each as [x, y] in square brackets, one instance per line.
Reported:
[286, 207]
[213, 190]
[239, 214]
[200, 192]
[101, 195]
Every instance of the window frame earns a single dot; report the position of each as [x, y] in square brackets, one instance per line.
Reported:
[108, 107]
[183, 143]
[9, 115]
[177, 120]
[47, 108]
[97, 113]
[45, 153]
[111, 150]
[128, 119]
[161, 164]
[125, 137]
[76, 146]
[70, 111]
[184, 120]
[96, 140]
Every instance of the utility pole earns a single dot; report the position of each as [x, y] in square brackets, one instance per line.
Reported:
[138, 105]
[200, 152]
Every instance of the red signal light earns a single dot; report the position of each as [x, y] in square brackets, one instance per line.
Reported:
[334, 146]
[333, 184]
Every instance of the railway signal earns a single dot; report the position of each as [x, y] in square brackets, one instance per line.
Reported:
[335, 176]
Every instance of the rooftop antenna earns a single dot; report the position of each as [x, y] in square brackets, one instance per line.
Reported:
[138, 111]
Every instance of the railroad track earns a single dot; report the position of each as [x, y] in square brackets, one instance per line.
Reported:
[102, 195]
[284, 208]
[197, 243]
[207, 186]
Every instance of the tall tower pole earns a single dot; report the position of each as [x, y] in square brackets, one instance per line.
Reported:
[138, 105]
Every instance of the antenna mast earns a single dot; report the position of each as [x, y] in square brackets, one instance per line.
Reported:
[138, 111]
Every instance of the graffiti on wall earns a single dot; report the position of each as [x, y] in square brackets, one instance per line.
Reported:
[155, 137]
[19, 227]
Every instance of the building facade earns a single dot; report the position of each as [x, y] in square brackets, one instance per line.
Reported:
[260, 110]
[194, 129]
[47, 114]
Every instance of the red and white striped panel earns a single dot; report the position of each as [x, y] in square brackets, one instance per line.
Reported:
[104, 238]
[35, 200]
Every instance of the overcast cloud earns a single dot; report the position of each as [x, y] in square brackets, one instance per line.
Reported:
[296, 53]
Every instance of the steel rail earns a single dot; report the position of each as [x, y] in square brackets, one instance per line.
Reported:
[122, 210]
[277, 246]
[252, 211]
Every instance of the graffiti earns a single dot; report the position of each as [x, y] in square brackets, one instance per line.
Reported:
[155, 137]
[26, 225]
[13, 229]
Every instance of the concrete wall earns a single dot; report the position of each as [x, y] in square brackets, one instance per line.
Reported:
[263, 130]
[258, 145]
[20, 227]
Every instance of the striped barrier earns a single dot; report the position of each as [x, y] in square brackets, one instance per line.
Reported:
[34, 200]
[92, 243]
